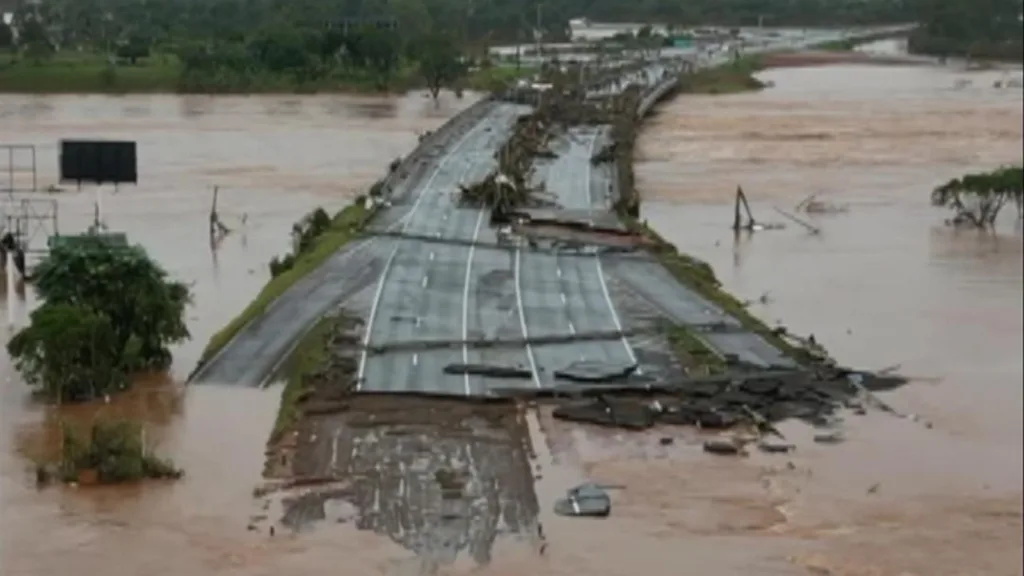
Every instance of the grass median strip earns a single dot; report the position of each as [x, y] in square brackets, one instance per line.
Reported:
[309, 356]
[700, 277]
[696, 356]
[344, 227]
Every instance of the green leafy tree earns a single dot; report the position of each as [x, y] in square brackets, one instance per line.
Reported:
[6, 36]
[122, 282]
[439, 62]
[35, 40]
[379, 49]
[69, 353]
[281, 48]
[135, 48]
[978, 198]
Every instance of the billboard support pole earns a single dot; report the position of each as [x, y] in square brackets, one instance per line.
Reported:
[99, 206]
[12, 295]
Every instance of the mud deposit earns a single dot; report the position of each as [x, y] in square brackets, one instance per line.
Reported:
[442, 479]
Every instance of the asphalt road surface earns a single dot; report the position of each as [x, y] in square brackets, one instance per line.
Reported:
[422, 293]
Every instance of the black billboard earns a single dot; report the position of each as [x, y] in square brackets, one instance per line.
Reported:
[98, 162]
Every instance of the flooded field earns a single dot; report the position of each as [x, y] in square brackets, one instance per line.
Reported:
[885, 283]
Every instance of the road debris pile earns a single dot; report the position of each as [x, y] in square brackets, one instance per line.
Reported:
[561, 108]
[508, 186]
[723, 401]
[621, 113]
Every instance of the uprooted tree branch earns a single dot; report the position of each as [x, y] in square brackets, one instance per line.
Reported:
[560, 105]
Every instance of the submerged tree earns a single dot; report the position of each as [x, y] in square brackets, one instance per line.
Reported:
[978, 198]
[111, 452]
[439, 61]
[108, 310]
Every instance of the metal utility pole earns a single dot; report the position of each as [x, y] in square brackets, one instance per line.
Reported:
[538, 31]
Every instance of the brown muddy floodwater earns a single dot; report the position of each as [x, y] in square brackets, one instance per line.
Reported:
[885, 283]
[274, 159]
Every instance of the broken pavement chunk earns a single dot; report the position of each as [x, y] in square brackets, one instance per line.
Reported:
[595, 371]
[835, 437]
[624, 413]
[722, 446]
[489, 370]
[585, 500]
[772, 447]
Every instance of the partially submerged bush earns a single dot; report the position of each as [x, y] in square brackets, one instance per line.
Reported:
[112, 452]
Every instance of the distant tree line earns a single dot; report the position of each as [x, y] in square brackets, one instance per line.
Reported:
[279, 29]
[232, 42]
[985, 29]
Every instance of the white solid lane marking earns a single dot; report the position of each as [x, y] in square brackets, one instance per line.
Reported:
[465, 298]
[600, 274]
[424, 192]
[522, 318]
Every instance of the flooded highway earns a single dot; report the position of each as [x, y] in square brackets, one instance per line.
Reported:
[885, 283]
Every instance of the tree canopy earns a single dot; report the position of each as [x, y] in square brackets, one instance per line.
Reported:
[978, 198]
[108, 310]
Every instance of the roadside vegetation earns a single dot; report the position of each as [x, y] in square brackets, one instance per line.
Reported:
[309, 356]
[978, 198]
[737, 76]
[697, 358]
[700, 277]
